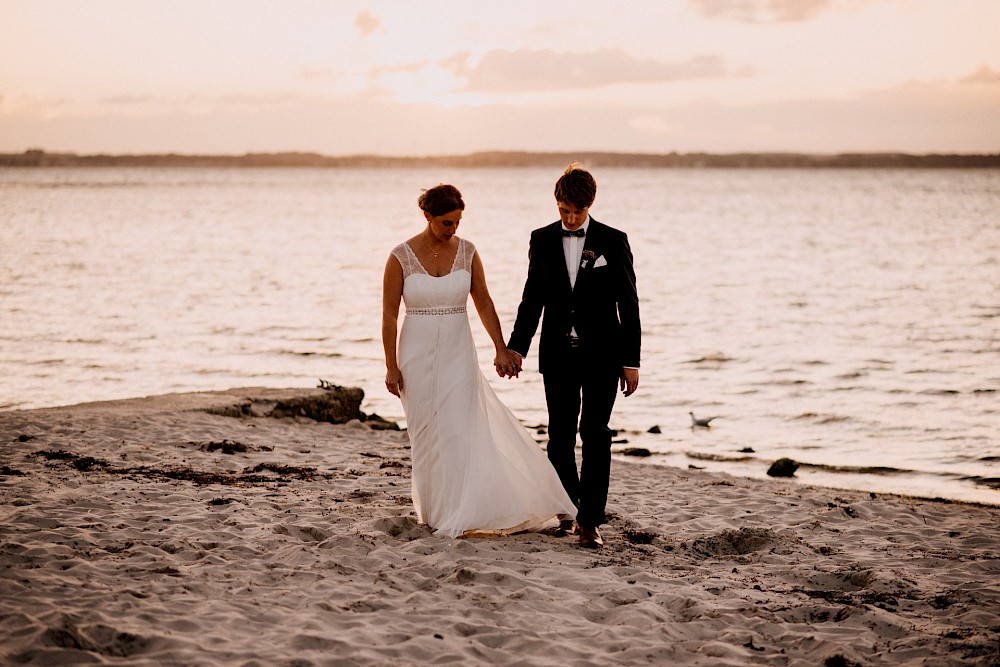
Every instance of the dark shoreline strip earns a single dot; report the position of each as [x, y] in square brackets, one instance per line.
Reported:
[40, 158]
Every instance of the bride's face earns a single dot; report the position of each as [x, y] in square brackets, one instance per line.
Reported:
[443, 227]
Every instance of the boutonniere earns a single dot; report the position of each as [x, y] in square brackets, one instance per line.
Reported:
[588, 257]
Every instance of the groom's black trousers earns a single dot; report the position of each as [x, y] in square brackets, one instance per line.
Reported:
[579, 395]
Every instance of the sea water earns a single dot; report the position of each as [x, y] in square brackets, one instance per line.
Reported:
[847, 319]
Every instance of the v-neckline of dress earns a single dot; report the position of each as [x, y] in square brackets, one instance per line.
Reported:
[423, 268]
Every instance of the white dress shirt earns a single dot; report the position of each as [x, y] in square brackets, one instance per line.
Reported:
[573, 251]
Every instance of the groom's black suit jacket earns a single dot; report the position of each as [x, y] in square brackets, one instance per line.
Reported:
[603, 307]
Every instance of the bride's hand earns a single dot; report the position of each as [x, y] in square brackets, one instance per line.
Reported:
[394, 381]
[507, 363]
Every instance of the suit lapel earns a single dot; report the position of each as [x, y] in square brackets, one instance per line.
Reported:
[558, 255]
[591, 242]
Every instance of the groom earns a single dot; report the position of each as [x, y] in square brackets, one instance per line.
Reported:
[580, 275]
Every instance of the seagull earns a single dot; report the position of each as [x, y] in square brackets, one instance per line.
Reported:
[703, 423]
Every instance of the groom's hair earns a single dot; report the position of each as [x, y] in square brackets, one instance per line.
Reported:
[576, 186]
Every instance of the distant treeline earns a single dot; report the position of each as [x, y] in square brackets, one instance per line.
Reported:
[39, 158]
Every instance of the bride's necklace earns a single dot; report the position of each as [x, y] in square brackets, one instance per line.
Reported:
[429, 248]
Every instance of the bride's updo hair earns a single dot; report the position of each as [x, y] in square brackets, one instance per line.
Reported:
[441, 199]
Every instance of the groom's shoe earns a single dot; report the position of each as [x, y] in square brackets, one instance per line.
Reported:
[565, 527]
[590, 537]
[568, 527]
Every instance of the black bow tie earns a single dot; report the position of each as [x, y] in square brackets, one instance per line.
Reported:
[578, 232]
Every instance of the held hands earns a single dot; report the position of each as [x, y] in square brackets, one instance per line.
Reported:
[394, 381]
[508, 363]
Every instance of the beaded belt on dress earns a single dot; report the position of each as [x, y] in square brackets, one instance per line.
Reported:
[448, 310]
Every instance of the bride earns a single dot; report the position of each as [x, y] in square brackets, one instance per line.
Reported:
[475, 468]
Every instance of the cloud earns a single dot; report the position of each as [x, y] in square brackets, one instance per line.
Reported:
[367, 23]
[127, 100]
[255, 99]
[919, 116]
[197, 103]
[37, 105]
[757, 11]
[458, 64]
[315, 74]
[984, 74]
[404, 68]
[420, 73]
[501, 70]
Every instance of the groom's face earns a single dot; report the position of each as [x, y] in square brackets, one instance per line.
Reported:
[572, 216]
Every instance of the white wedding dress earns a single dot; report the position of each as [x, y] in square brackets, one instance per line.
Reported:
[475, 468]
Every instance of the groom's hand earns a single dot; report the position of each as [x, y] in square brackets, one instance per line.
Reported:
[629, 380]
[518, 361]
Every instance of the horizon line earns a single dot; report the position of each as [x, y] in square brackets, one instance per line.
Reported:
[426, 156]
[39, 158]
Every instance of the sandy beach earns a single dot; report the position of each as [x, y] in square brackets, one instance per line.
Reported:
[189, 530]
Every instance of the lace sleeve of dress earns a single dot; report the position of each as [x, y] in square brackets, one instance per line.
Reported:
[466, 251]
[404, 254]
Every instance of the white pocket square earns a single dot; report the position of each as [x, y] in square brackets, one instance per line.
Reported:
[600, 262]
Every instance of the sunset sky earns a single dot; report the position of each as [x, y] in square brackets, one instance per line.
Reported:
[449, 77]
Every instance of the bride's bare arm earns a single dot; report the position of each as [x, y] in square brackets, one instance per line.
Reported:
[503, 361]
[392, 292]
